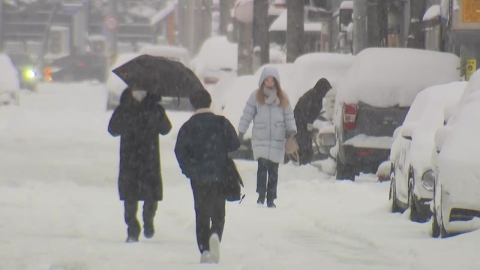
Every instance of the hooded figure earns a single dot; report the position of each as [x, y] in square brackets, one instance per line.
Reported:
[138, 121]
[306, 112]
[273, 121]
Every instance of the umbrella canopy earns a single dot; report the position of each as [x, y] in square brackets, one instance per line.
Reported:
[159, 75]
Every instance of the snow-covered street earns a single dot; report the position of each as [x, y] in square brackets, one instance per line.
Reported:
[59, 205]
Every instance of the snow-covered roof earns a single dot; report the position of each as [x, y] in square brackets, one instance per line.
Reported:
[432, 13]
[346, 5]
[385, 77]
[280, 24]
[169, 8]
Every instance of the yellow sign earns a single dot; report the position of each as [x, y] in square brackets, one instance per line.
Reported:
[471, 68]
[471, 11]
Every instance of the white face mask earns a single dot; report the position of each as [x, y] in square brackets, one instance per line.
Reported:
[139, 95]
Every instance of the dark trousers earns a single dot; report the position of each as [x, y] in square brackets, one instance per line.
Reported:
[210, 211]
[304, 140]
[131, 208]
[270, 169]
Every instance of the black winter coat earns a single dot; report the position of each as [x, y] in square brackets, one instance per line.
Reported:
[202, 147]
[139, 124]
[306, 112]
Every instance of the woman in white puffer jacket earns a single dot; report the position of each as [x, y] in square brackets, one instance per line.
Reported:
[273, 121]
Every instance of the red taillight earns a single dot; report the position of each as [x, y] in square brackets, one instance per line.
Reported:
[210, 80]
[349, 116]
[80, 64]
[364, 154]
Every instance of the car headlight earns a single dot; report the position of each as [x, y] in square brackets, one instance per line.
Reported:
[428, 180]
[30, 74]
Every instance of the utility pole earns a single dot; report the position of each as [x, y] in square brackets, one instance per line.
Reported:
[113, 11]
[261, 38]
[416, 37]
[295, 29]
[377, 23]
[225, 16]
[359, 26]
[188, 26]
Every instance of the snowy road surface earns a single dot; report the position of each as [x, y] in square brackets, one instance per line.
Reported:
[59, 206]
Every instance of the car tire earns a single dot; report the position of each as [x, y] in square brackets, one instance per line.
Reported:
[345, 172]
[393, 196]
[415, 214]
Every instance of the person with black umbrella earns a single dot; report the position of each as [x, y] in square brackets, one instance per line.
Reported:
[306, 112]
[202, 148]
[139, 120]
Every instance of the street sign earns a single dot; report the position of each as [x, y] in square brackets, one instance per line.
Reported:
[471, 11]
[110, 23]
[471, 68]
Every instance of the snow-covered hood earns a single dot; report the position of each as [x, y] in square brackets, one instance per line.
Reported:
[458, 158]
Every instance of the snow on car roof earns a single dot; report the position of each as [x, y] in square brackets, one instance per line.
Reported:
[385, 77]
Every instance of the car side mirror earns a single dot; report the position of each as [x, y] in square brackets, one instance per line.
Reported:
[440, 136]
[407, 131]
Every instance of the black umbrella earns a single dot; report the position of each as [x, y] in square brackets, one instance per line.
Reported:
[159, 75]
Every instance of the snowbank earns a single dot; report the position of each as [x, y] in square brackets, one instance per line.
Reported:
[114, 83]
[385, 77]
[433, 12]
[9, 80]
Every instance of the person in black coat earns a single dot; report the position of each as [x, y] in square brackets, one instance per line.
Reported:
[139, 120]
[306, 112]
[202, 148]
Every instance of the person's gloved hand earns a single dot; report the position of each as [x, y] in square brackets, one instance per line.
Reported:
[240, 136]
[309, 127]
[290, 133]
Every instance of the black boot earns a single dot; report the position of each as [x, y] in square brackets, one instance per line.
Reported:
[271, 204]
[261, 199]
[148, 230]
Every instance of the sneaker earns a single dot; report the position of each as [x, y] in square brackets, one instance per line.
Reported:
[261, 199]
[214, 248]
[148, 231]
[132, 239]
[271, 204]
[205, 257]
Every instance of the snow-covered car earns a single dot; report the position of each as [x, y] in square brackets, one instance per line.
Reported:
[373, 100]
[178, 54]
[456, 200]
[216, 57]
[9, 82]
[411, 175]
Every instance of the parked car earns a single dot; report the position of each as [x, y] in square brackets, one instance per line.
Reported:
[27, 70]
[411, 175]
[76, 67]
[216, 57]
[9, 82]
[374, 97]
[456, 200]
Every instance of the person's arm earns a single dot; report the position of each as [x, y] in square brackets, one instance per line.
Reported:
[232, 141]
[183, 151]
[164, 124]
[121, 122]
[289, 119]
[249, 113]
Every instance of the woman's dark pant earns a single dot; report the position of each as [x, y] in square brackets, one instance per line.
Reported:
[131, 208]
[267, 169]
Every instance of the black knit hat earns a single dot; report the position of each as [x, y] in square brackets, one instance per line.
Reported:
[200, 99]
